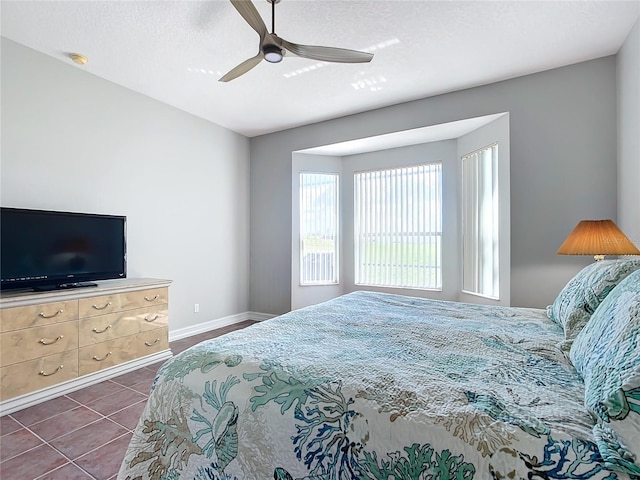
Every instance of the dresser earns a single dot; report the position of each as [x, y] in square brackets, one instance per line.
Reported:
[52, 343]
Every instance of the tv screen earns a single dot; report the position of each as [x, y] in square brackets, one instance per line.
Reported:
[43, 249]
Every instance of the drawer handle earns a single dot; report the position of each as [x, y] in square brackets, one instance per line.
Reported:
[151, 299]
[43, 315]
[101, 308]
[152, 319]
[95, 330]
[98, 359]
[152, 344]
[50, 342]
[42, 372]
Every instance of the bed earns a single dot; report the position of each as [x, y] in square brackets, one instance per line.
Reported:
[388, 387]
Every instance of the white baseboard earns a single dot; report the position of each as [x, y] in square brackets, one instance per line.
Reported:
[260, 317]
[217, 323]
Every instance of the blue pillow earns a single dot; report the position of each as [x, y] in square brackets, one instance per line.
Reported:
[607, 355]
[577, 301]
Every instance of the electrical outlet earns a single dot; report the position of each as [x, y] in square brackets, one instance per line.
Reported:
[196, 307]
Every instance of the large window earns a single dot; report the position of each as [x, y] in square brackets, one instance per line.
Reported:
[398, 227]
[318, 228]
[480, 221]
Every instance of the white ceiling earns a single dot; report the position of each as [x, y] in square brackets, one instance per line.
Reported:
[175, 51]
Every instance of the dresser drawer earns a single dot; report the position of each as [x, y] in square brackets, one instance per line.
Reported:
[37, 315]
[26, 377]
[107, 327]
[89, 307]
[20, 345]
[113, 352]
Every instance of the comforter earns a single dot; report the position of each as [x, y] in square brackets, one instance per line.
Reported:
[372, 386]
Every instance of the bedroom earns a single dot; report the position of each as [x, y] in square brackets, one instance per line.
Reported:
[216, 204]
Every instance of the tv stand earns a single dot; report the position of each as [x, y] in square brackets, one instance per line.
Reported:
[63, 286]
[58, 341]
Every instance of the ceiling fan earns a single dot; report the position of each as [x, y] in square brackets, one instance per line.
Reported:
[273, 48]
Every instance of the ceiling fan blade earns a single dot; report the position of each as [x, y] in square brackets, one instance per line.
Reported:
[327, 54]
[241, 69]
[251, 16]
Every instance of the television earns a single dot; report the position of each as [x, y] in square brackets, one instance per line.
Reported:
[47, 250]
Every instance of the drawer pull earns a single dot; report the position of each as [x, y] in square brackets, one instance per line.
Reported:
[101, 308]
[153, 343]
[50, 342]
[151, 299]
[95, 330]
[42, 372]
[43, 315]
[98, 359]
[152, 319]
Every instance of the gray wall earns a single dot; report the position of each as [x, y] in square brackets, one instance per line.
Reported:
[563, 169]
[72, 141]
[629, 136]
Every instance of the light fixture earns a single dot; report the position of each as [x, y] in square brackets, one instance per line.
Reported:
[597, 238]
[272, 53]
[78, 58]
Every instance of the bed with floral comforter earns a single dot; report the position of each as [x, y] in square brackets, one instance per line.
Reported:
[372, 386]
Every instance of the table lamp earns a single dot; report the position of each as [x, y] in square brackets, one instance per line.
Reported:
[597, 238]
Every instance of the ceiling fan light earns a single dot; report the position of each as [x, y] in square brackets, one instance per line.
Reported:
[272, 53]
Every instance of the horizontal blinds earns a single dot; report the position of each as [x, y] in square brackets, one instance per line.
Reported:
[398, 227]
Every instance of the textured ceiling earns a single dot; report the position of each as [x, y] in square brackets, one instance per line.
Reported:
[175, 51]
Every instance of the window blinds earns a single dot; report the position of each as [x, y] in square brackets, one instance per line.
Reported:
[398, 227]
[480, 222]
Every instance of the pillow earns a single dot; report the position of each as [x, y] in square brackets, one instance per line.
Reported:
[584, 292]
[607, 355]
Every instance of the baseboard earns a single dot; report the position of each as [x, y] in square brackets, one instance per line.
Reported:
[260, 317]
[217, 323]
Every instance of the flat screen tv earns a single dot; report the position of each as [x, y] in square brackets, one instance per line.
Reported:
[45, 250]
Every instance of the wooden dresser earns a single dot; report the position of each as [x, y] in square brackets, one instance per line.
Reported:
[52, 343]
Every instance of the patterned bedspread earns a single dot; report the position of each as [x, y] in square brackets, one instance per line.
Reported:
[371, 386]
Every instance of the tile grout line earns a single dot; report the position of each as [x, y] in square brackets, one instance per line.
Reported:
[62, 454]
[145, 399]
[23, 425]
[44, 442]
[97, 448]
[73, 462]
[122, 409]
[91, 477]
[134, 390]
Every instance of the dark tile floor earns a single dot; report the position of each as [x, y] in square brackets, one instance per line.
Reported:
[82, 435]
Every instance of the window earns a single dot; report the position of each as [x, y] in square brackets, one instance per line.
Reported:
[398, 227]
[480, 222]
[318, 229]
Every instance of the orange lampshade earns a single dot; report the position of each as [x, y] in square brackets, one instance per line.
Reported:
[598, 238]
